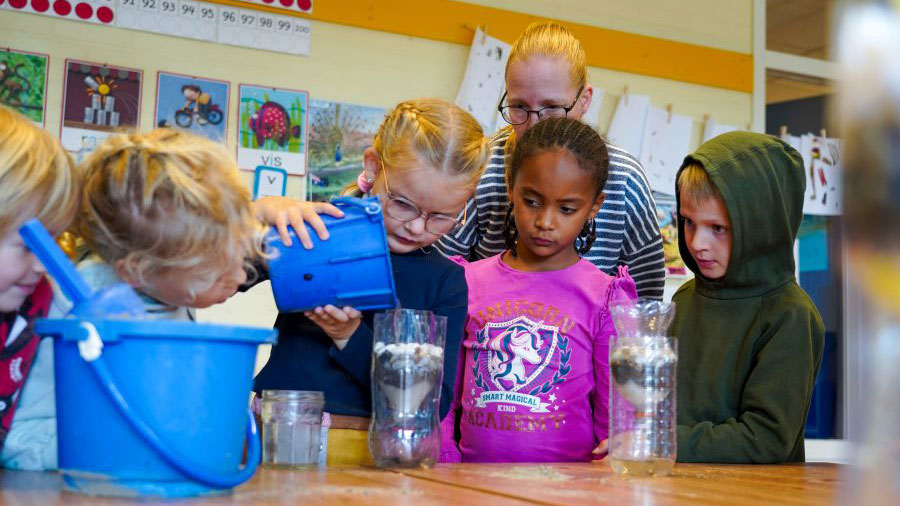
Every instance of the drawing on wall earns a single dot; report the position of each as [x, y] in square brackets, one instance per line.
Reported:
[822, 167]
[667, 214]
[197, 105]
[627, 127]
[23, 83]
[338, 135]
[98, 100]
[484, 80]
[273, 128]
[665, 143]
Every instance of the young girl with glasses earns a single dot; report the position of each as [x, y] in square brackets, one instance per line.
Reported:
[546, 77]
[424, 162]
[533, 379]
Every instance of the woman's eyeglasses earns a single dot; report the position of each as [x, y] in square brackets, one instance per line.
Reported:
[518, 115]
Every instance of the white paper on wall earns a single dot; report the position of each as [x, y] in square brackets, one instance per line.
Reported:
[666, 141]
[822, 168]
[712, 129]
[627, 127]
[592, 116]
[483, 82]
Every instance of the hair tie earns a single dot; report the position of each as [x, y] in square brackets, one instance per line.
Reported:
[365, 185]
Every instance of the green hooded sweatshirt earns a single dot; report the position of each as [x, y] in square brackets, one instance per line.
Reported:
[750, 342]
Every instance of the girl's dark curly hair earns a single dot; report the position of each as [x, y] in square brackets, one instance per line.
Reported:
[589, 150]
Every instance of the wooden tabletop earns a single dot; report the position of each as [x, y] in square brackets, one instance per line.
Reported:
[486, 484]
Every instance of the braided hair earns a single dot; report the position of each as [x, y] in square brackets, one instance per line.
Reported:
[433, 132]
[579, 139]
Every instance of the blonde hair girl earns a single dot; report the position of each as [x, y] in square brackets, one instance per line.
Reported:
[546, 77]
[423, 165]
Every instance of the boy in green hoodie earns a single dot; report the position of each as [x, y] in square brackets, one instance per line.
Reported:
[749, 338]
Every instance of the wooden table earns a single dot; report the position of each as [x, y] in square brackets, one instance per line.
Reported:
[486, 484]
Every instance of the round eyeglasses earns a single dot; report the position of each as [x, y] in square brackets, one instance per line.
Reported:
[405, 211]
[518, 115]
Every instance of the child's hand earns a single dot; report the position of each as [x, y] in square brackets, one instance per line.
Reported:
[338, 323]
[602, 449]
[283, 211]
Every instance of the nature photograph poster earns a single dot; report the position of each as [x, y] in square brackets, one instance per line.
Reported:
[339, 133]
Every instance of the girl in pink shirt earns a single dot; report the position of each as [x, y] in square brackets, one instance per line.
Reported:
[533, 380]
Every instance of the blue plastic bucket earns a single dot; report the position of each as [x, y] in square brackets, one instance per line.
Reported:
[351, 268]
[154, 408]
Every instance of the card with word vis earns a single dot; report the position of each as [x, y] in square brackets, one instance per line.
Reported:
[273, 128]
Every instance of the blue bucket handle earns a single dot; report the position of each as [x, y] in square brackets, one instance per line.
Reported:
[170, 455]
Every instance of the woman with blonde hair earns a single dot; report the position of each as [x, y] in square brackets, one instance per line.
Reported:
[546, 77]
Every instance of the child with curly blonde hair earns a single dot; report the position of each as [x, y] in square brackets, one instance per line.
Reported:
[168, 213]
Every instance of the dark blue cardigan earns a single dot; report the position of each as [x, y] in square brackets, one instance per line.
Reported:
[305, 358]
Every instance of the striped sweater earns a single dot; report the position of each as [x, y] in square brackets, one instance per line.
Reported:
[627, 227]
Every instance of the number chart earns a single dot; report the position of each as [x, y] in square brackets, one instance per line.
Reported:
[188, 18]
[262, 30]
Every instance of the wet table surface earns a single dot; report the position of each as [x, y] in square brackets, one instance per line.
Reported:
[485, 484]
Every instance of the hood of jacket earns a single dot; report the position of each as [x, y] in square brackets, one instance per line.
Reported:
[762, 182]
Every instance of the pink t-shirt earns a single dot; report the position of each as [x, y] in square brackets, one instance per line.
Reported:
[534, 378]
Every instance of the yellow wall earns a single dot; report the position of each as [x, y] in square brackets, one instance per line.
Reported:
[722, 24]
[380, 69]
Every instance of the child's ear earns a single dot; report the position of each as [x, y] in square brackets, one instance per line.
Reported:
[125, 273]
[598, 202]
[371, 164]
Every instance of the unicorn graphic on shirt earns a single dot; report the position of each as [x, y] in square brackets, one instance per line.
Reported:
[517, 351]
[512, 348]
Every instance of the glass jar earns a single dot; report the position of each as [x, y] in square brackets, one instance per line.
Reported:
[292, 422]
[407, 370]
[642, 401]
